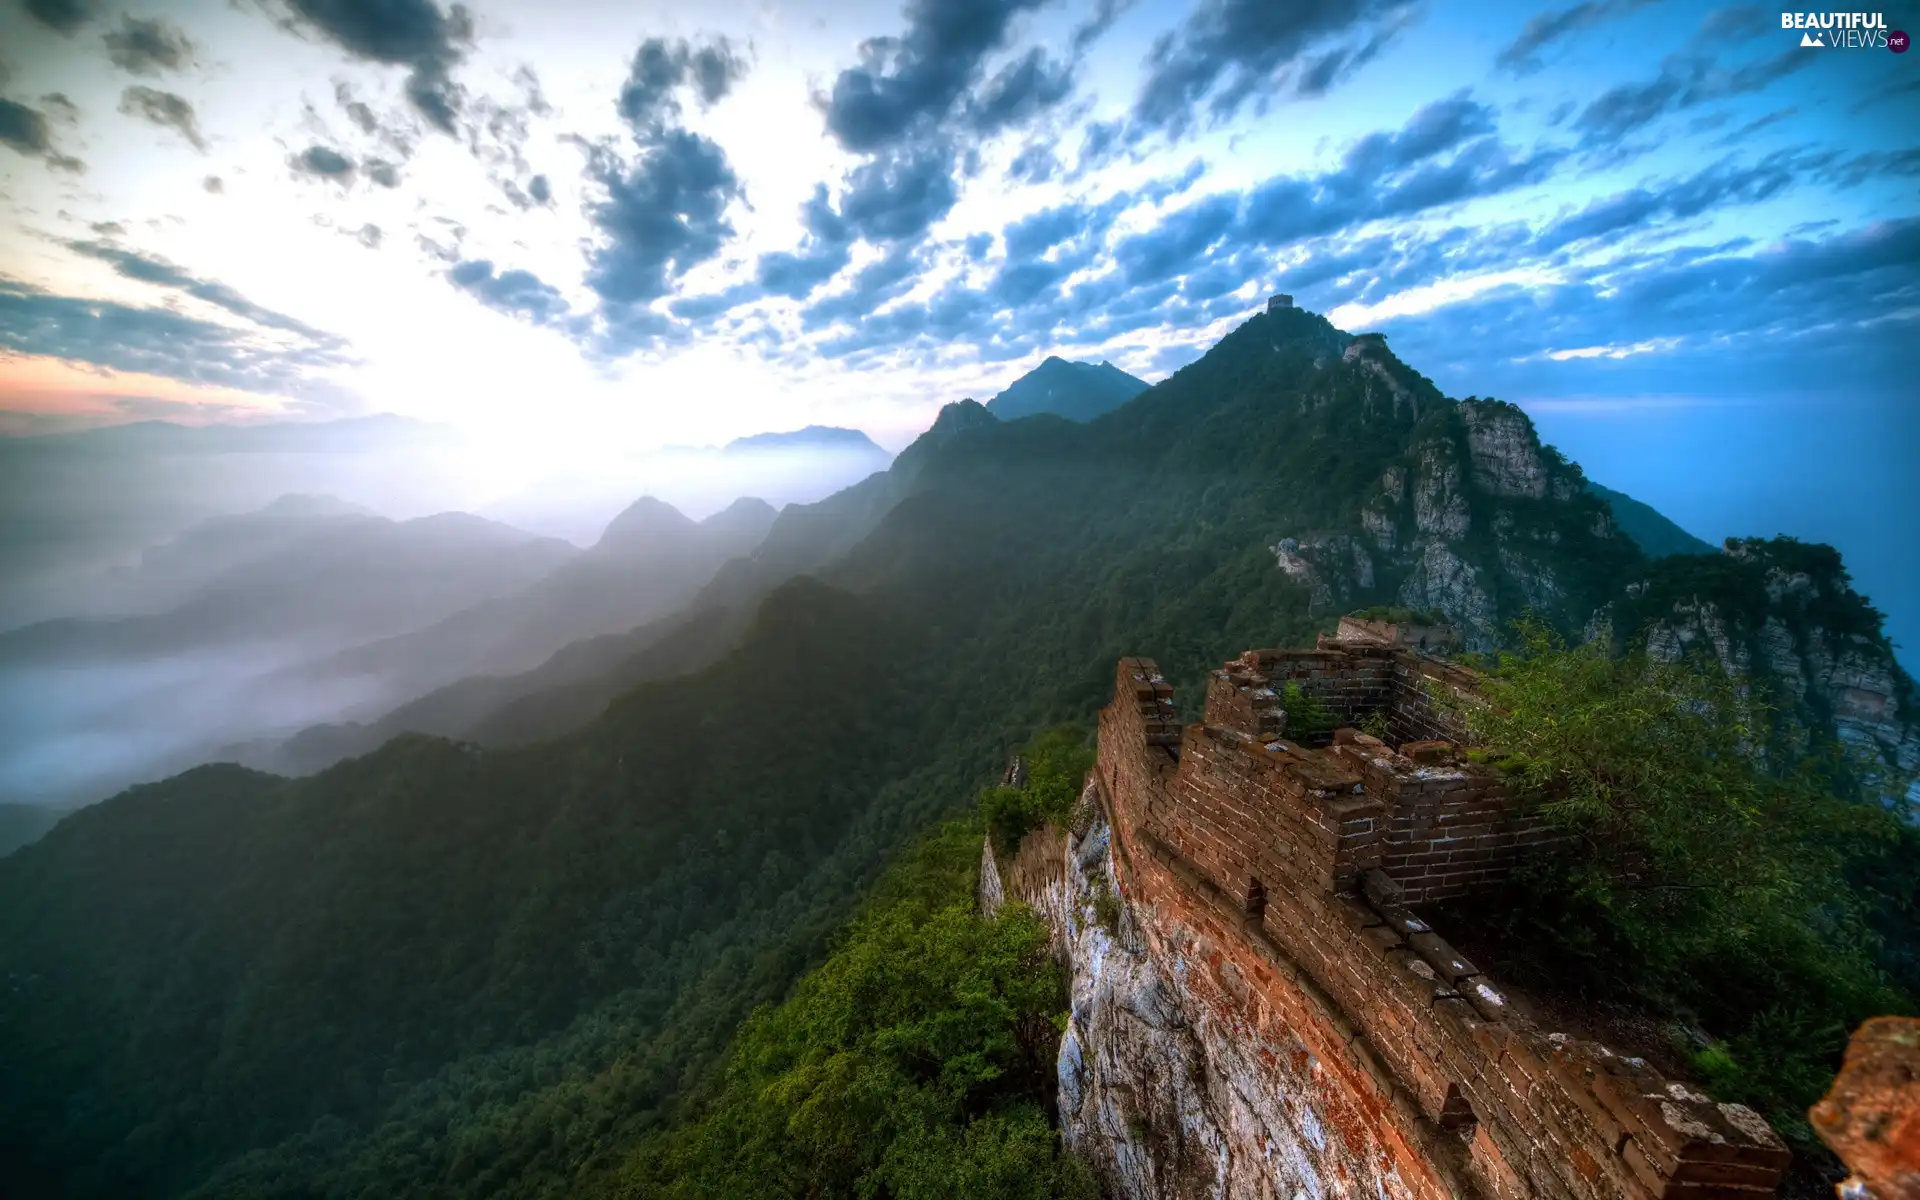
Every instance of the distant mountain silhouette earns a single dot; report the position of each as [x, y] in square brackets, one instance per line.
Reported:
[649, 562]
[381, 431]
[303, 571]
[813, 437]
[1075, 390]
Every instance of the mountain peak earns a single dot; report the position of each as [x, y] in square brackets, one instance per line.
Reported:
[645, 521]
[1078, 391]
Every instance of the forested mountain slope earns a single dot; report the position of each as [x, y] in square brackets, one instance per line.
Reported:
[483, 971]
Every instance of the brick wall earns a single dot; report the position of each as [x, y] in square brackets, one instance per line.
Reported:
[1464, 1094]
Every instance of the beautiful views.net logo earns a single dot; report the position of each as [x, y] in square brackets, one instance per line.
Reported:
[1839, 30]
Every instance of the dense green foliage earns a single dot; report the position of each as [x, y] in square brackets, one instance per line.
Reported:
[1696, 876]
[917, 1061]
[1056, 764]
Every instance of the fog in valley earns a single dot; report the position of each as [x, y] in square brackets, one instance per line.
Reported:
[174, 595]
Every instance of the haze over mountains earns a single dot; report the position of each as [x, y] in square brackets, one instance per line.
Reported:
[492, 969]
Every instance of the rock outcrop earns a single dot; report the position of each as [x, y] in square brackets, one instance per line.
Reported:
[1785, 614]
[1871, 1115]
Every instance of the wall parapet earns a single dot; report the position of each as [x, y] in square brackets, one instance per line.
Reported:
[1306, 864]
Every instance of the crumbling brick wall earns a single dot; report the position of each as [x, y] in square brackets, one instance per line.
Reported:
[1293, 869]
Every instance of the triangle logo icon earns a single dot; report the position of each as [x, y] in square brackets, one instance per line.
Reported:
[1808, 39]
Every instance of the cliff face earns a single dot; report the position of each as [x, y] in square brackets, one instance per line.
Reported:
[1785, 614]
[1472, 518]
[1161, 1089]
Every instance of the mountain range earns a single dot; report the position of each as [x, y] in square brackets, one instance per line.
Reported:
[448, 968]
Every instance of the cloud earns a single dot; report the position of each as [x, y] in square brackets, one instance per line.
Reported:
[661, 68]
[1522, 55]
[1718, 186]
[661, 216]
[148, 46]
[539, 190]
[1684, 81]
[1036, 163]
[1231, 51]
[63, 109]
[159, 272]
[1068, 278]
[409, 33]
[214, 185]
[1447, 152]
[383, 173]
[155, 341]
[1018, 92]
[25, 131]
[1105, 13]
[516, 293]
[62, 16]
[324, 162]
[1788, 317]
[899, 195]
[825, 251]
[165, 110]
[370, 236]
[908, 85]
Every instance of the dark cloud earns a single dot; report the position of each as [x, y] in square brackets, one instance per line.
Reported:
[663, 215]
[1522, 55]
[148, 46]
[826, 249]
[1105, 13]
[414, 34]
[369, 236]
[1036, 163]
[383, 173]
[1068, 279]
[907, 86]
[165, 110]
[63, 16]
[357, 110]
[161, 273]
[1788, 318]
[516, 293]
[1684, 81]
[25, 131]
[1719, 186]
[108, 228]
[155, 341]
[62, 108]
[1231, 51]
[324, 162]
[899, 195]
[1447, 152]
[214, 184]
[660, 68]
[539, 190]
[879, 282]
[1018, 92]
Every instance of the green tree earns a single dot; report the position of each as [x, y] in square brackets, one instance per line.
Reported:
[1703, 869]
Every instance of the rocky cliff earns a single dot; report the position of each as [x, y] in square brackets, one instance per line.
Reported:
[1784, 613]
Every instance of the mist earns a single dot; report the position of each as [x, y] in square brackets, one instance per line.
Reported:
[172, 596]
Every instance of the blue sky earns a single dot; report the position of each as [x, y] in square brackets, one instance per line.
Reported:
[1690, 246]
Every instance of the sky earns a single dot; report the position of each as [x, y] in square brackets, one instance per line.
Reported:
[1688, 244]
